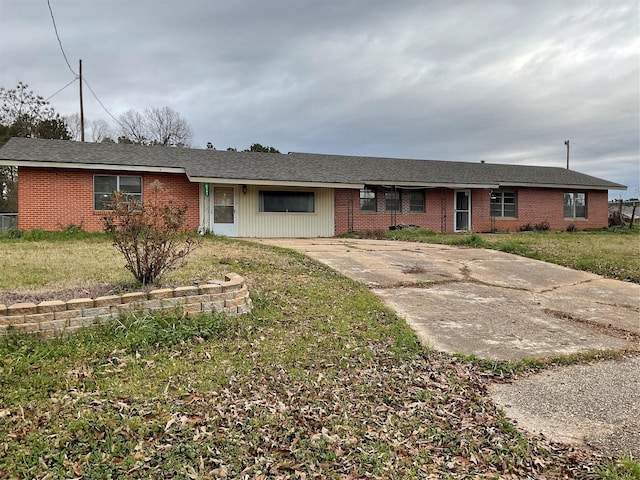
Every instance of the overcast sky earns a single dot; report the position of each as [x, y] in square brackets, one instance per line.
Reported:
[500, 81]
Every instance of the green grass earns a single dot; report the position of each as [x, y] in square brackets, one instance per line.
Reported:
[625, 469]
[320, 379]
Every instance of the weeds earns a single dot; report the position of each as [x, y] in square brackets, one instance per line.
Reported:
[625, 469]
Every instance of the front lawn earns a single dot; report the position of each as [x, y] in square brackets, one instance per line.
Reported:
[319, 381]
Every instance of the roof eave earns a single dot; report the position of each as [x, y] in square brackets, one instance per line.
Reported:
[561, 185]
[431, 184]
[281, 183]
[91, 166]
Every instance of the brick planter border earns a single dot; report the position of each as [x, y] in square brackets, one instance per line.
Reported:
[56, 317]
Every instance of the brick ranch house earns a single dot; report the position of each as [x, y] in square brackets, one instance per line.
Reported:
[248, 194]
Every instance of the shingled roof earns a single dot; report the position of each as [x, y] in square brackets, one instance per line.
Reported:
[290, 169]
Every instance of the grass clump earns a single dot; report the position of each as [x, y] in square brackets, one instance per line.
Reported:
[624, 469]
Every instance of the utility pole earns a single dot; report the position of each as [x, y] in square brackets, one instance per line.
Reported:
[567, 144]
[81, 107]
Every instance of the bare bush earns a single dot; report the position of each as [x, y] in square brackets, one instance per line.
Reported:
[151, 237]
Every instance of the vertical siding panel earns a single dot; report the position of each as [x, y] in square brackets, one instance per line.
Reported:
[252, 223]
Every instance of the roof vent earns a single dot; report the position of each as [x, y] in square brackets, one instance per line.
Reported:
[481, 161]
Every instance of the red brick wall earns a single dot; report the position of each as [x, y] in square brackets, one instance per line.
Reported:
[349, 217]
[52, 199]
[535, 205]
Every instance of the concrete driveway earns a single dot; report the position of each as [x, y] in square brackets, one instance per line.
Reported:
[504, 307]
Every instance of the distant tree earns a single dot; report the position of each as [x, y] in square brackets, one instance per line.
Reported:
[256, 147]
[156, 126]
[100, 131]
[29, 115]
[8, 180]
[96, 130]
[133, 128]
[24, 114]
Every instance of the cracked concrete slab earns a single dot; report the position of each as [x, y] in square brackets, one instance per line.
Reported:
[493, 323]
[501, 306]
[571, 405]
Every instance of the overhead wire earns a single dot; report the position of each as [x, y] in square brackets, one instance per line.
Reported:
[101, 104]
[82, 79]
[55, 28]
[51, 96]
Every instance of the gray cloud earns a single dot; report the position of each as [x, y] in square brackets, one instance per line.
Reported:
[502, 81]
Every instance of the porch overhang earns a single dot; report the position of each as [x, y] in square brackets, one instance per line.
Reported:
[272, 183]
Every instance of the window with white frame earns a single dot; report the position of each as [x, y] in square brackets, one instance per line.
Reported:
[575, 205]
[284, 201]
[392, 200]
[105, 185]
[504, 203]
[416, 201]
[368, 199]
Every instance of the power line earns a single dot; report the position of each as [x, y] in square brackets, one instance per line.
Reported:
[101, 104]
[50, 97]
[55, 28]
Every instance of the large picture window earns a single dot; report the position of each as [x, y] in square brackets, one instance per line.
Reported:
[367, 200]
[287, 201]
[392, 200]
[105, 185]
[504, 204]
[575, 205]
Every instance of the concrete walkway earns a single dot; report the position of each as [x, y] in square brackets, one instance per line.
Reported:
[504, 307]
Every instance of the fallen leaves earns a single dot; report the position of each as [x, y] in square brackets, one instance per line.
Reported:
[315, 385]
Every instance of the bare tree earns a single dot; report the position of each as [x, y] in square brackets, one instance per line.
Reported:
[157, 126]
[134, 127]
[166, 127]
[100, 130]
[73, 125]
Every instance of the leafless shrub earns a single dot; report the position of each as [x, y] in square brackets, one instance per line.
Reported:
[151, 237]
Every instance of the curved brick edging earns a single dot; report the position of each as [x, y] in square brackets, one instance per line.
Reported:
[56, 317]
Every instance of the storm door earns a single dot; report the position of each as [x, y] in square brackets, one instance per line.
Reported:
[224, 212]
[462, 210]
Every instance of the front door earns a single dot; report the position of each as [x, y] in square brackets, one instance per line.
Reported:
[462, 210]
[224, 211]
